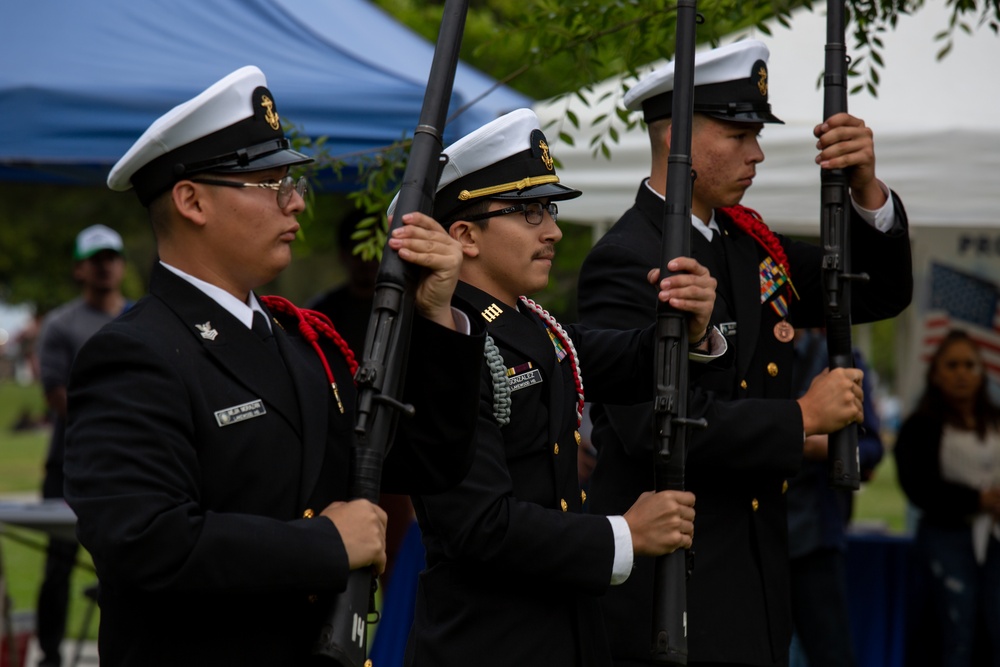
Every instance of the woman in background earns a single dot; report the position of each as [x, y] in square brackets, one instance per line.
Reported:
[948, 459]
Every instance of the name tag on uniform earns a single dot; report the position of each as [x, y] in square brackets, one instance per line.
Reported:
[238, 413]
[728, 328]
[522, 380]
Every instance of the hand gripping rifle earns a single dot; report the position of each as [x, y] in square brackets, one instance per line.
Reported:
[670, 405]
[842, 455]
[380, 379]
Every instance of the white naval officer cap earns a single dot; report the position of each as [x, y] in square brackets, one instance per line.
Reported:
[231, 127]
[730, 83]
[508, 158]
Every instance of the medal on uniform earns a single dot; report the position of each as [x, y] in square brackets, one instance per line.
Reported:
[784, 331]
[772, 278]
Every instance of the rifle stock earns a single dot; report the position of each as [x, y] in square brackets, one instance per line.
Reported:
[669, 623]
[342, 639]
[842, 455]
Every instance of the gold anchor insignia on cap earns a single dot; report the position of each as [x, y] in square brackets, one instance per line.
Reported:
[270, 116]
[207, 332]
[546, 158]
[492, 312]
[762, 81]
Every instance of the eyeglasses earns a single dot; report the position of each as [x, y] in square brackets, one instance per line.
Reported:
[284, 187]
[533, 213]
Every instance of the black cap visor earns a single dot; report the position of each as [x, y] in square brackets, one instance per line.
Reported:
[550, 191]
[281, 158]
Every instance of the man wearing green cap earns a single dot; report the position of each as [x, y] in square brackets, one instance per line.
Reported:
[98, 268]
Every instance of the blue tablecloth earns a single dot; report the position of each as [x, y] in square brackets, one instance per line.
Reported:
[885, 597]
[389, 645]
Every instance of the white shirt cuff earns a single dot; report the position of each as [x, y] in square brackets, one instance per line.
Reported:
[623, 550]
[717, 346]
[884, 218]
[462, 324]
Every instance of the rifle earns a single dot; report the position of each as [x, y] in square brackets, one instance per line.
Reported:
[842, 455]
[380, 378]
[670, 404]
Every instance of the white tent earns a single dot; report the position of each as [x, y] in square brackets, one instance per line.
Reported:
[936, 124]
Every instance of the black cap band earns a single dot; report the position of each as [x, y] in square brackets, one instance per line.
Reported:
[740, 101]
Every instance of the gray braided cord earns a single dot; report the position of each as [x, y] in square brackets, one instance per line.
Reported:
[501, 387]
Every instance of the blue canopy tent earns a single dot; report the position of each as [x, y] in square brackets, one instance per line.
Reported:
[82, 79]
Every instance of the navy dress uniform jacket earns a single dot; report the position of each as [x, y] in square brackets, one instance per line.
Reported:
[513, 565]
[738, 596]
[192, 460]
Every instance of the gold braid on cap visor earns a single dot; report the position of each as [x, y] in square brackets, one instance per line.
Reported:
[527, 182]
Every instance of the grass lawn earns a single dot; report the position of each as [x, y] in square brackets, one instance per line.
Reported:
[880, 503]
[22, 457]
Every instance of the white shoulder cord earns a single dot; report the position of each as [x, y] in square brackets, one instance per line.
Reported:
[501, 386]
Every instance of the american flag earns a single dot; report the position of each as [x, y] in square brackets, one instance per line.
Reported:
[963, 301]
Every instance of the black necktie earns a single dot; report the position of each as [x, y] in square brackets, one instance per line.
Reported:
[261, 328]
[716, 240]
[721, 267]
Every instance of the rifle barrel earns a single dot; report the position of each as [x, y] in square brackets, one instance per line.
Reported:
[380, 379]
[669, 622]
[842, 454]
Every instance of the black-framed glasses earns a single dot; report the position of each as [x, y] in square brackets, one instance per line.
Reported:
[534, 212]
[284, 187]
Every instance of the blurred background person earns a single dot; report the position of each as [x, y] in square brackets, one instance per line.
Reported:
[948, 460]
[817, 521]
[349, 305]
[99, 267]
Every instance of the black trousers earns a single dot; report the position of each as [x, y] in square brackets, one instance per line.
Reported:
[53, 599]
[53, 596]
[819, 608]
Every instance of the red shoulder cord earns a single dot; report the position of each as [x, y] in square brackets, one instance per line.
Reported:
[312, 323]
[751, 222]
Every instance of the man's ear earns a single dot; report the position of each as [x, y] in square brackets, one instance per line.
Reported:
[190, 201]
[468, 234]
